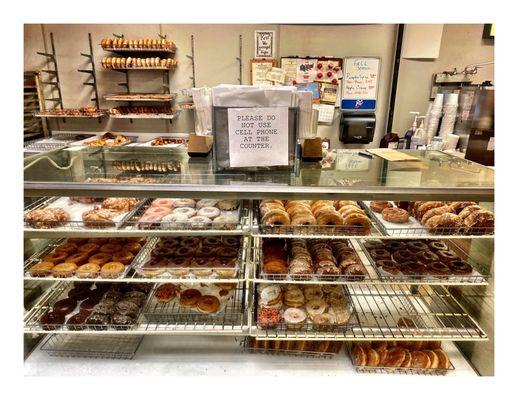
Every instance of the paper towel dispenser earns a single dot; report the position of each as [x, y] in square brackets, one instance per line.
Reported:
[357, 128]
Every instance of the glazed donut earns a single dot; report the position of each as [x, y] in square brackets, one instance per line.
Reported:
[230, 241]
[315, 307]
[358, 221]
[447, 223]
[435, 211]
[227, 221]
[56, 257]
[100, 258]
[276, 217]
[132, 247]
[208, 212]
[342, 203]
[190, 241]
[395, 215]
[124, 257]
[294, 298]
[88, 270]
[379, 206]
[420, 360]
[78, 258]
[180, 203]
[340, 313]
[228, 205]
[275, 267]
[321, 204]
[413, 268]
[189, 298]
[394, 245]
[294, 317]
[447, 256]
[458, 206]
[322, 321]
[206, 203]
[313, 292]
[321, 209]
[208, 304]
[41, 269]
[459, 267]
[112, 269]
[380, 254]
[68, 248]
[373, 244]
[434, 360]
[77, 241]
[89, 248]
[395, 357]
[480, 222]
[167, 203]
[417, 246]
[425, 207]
[270, 295]
[99, 241]
[348, 210]
[174, 219]
[359, 356]
[330, 217]
[228, 271]
[437, 268]
[184, 251]
[468, 210]
[64, 270]
[300, 267]
[303, 218]
[110, 248]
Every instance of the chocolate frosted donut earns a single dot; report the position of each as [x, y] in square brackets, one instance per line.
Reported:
[417, 246]
[389, 266]
[413, 268]
[427, 257]
[373, 244]
[394, 245]
[99, 320]
[437, 245]
[459, 267]
[402, 256]
[79, 293]
[64, 306]
[51, 318]
[77, 321]
[438, 268]
[88, 304]
[380, 254]
[122, 321]
[447, 256]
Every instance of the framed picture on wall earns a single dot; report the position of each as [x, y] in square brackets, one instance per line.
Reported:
[259, 68]
[264, 44]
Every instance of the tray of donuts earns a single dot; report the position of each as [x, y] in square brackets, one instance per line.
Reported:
[171, 303]
[187, 214]
[432, 217]
[308, 217]
[83, 258]
[400, 357]
[79, 212]
[315, 308]
[420, 259]
[192, 257]
[300, 348]
[80, 306]
[310, 259]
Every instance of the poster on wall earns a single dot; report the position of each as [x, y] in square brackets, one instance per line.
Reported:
[258, 137]
[264, 44]
[259, 69]
[360, 85]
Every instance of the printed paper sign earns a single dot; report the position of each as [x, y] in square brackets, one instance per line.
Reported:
[258, 137]
[264, 44]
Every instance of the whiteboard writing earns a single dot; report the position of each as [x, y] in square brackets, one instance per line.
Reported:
[361, 78]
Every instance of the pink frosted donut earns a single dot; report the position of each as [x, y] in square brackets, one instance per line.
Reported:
[168, 203]
[183, 203]
[161, 211]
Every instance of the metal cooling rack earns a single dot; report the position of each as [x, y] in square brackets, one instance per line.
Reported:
[250, 348]
[398, 370]
[475, 278]
[64, 115]
[117, 347]
[132, 97]
[145, 116]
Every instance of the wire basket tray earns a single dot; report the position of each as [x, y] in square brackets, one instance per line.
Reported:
[475, 278]
[116, 347]
[251, 345]
[398, 370]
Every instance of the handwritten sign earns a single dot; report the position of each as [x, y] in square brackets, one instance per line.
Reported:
[264, 44]
[258, 137]
[360, 86]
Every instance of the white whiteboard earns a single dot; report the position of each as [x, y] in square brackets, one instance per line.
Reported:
[360, 81]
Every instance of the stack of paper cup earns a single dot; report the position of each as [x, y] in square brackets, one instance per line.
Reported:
[435, 115]
[451, 102]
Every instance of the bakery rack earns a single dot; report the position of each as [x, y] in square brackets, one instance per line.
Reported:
[115, 347]
[248, 346]
[146, 116]
[165, 97]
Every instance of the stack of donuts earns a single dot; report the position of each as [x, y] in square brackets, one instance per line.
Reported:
[103, 216]
[299, 307]
[214, 256]
[142, 44]
[89, 258]
[416, 258]
[315, 212]
[415, 354]
[279, 347]
[202, 213]
[137, 62]
[123, 110]
[315, 257]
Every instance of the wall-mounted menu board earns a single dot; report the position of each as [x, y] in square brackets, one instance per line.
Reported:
[360, 83]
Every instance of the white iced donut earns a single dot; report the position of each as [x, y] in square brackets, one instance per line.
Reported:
[174, 219]
[269, 294]
[206, 203]
[168, 203]
[228, 205]
[294, 315]
[209, 212]
[199, 222]
[187, 211]
[177, 203]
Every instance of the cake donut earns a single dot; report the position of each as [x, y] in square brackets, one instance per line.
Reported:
[395, 215]
[379, 206]
[179, 203]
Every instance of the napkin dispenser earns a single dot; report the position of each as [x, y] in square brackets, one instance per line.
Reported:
[357, 128]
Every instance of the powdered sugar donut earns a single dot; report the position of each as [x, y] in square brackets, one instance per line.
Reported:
[228, 205]
[209, 212]
[175, 219]
[199, 221]
[177, 203]
[206, 203]
[167, 203]
[188, 211]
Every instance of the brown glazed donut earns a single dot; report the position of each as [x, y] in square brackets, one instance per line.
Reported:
[459, 267]
[426, 206]
[380, 254]
[395, 357]
[208, 304]
[480, 222]
[427, 257]
[437, 268]
[447, 223]
[395, 215]
[68, 248]
[358, 221]
[379, 206]
[437, 245]
[389, 266]
[417, 246]
[100, 258]
[413, 268]
[124, 257]
[359, 356]
[276, 217]
[78, 258]
[56, 257]
[189, 297]
[447, 256]
[435, 211]
[303, 218]
[402, 256]
[458, 206]
[330, 217]
[468, 210]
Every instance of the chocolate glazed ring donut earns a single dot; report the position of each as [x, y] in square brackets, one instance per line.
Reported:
[438, 268]
[459, 267]
[437, 246]
[427, 257]
[413, 268]
[394, 246]
[447, 256]
[402, 256]
[380, 254]
[417, 246]
[389, 266]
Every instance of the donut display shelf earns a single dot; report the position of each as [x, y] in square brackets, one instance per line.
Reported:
[293, 348]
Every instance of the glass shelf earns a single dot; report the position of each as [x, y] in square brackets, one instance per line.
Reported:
[435, 175]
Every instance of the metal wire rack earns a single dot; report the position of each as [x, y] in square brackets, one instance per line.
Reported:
[145, 116]
[398, 370]
[38, 256]
[479, 275]
[251, 345]
[138, 50]
[258, 255]
[141, 97]
[415, 230]
[69, 114]
[117, 347]
[213, 229]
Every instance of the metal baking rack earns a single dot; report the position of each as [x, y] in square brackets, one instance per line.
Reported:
[411, 312]
[308, 278]
[213, 229]
[398, 370]
[73, 226]
[36, 257]
[53, 74]
[146, 116]
[406, 232]
[92, 75]
[129, 50]
[249, 347]
[50, 114]
[134, 97]
[479, 276]
[309, 231]
[116, 347]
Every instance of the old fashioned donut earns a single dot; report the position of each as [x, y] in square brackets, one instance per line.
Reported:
[110, 248]
[359, 222]
[88, 270]
[389, 266]
[436, 246]
[208, 304]
[112, 269]
[323, 321]
[380, 254]
[447, 256]
[78, 258]
[64, 270]
[68, 248]
[276, 217]
[206, 203]
[459, 267]
[190, 242]
[41, 269]
[209, 212]
[426, 257]
[403, 255]
[228, 205]
[379, 206]
[56, 257]
[100, 258]
[330, 217]
[132, 247]
[416, 246]
[124, 257]
[437, 268]
[189, 298]
[395, 215]
[89, 248]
